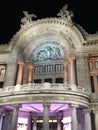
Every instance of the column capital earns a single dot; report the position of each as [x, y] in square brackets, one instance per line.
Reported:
[17, 106]
[72, 58]
[74, 105]
[21, 63]
[87, 110]
[65, 63]
[30, 66]
[46, 104]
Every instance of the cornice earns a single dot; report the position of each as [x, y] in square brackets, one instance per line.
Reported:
[4, 48]
[92, 40]
[94, 98]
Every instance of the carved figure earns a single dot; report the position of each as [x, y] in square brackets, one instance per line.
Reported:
[27, 18]
[42, 55]
[65, 14]
[48, 53]
[57, 52]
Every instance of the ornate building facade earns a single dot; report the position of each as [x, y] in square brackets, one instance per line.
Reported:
[49, 76]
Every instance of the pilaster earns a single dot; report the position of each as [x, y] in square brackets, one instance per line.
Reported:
[20, 73]
[87, 113]
[95, 112]
[72, 70]
[65, 64]
[96, 119]
[83, 77]
[10, 76]
[95, 83]
[30, 73]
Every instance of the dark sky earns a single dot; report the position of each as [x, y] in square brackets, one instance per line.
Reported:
[85, 14]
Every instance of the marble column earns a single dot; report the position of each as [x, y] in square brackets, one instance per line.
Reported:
[15, 117]
[30, 73]
[29, 125]
[46, 116]
[74, 121]
[20, 73]
[10, 75]
[1, 119]
[34, 123]
[96, 119]
[58, 123]
[87, 119]
[6, 124]
[65, 64]
[95, 83]
[72, 71]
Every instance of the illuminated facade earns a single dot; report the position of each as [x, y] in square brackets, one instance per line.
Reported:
[49, 76]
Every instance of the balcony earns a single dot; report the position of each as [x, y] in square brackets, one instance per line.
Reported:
[45, 92]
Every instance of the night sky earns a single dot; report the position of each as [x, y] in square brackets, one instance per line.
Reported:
[85, 14]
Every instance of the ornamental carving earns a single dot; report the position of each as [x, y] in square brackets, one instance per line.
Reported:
[49, 53]
[65, 14]
[28, 17]
[48, 50]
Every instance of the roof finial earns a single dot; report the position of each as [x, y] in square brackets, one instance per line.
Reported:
[27, 17]
[65, 14]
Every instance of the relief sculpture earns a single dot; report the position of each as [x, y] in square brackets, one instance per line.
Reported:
[49, 53]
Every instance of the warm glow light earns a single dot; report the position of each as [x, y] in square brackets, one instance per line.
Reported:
[54, 120]
[50, 120]
[40, 121]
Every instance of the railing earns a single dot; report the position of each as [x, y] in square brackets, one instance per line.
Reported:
[44, 86]
[55, 68]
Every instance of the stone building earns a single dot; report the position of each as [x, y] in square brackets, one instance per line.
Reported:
[49, 76]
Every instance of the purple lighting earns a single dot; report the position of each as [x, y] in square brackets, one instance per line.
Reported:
[58, 107]
[54, 107]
